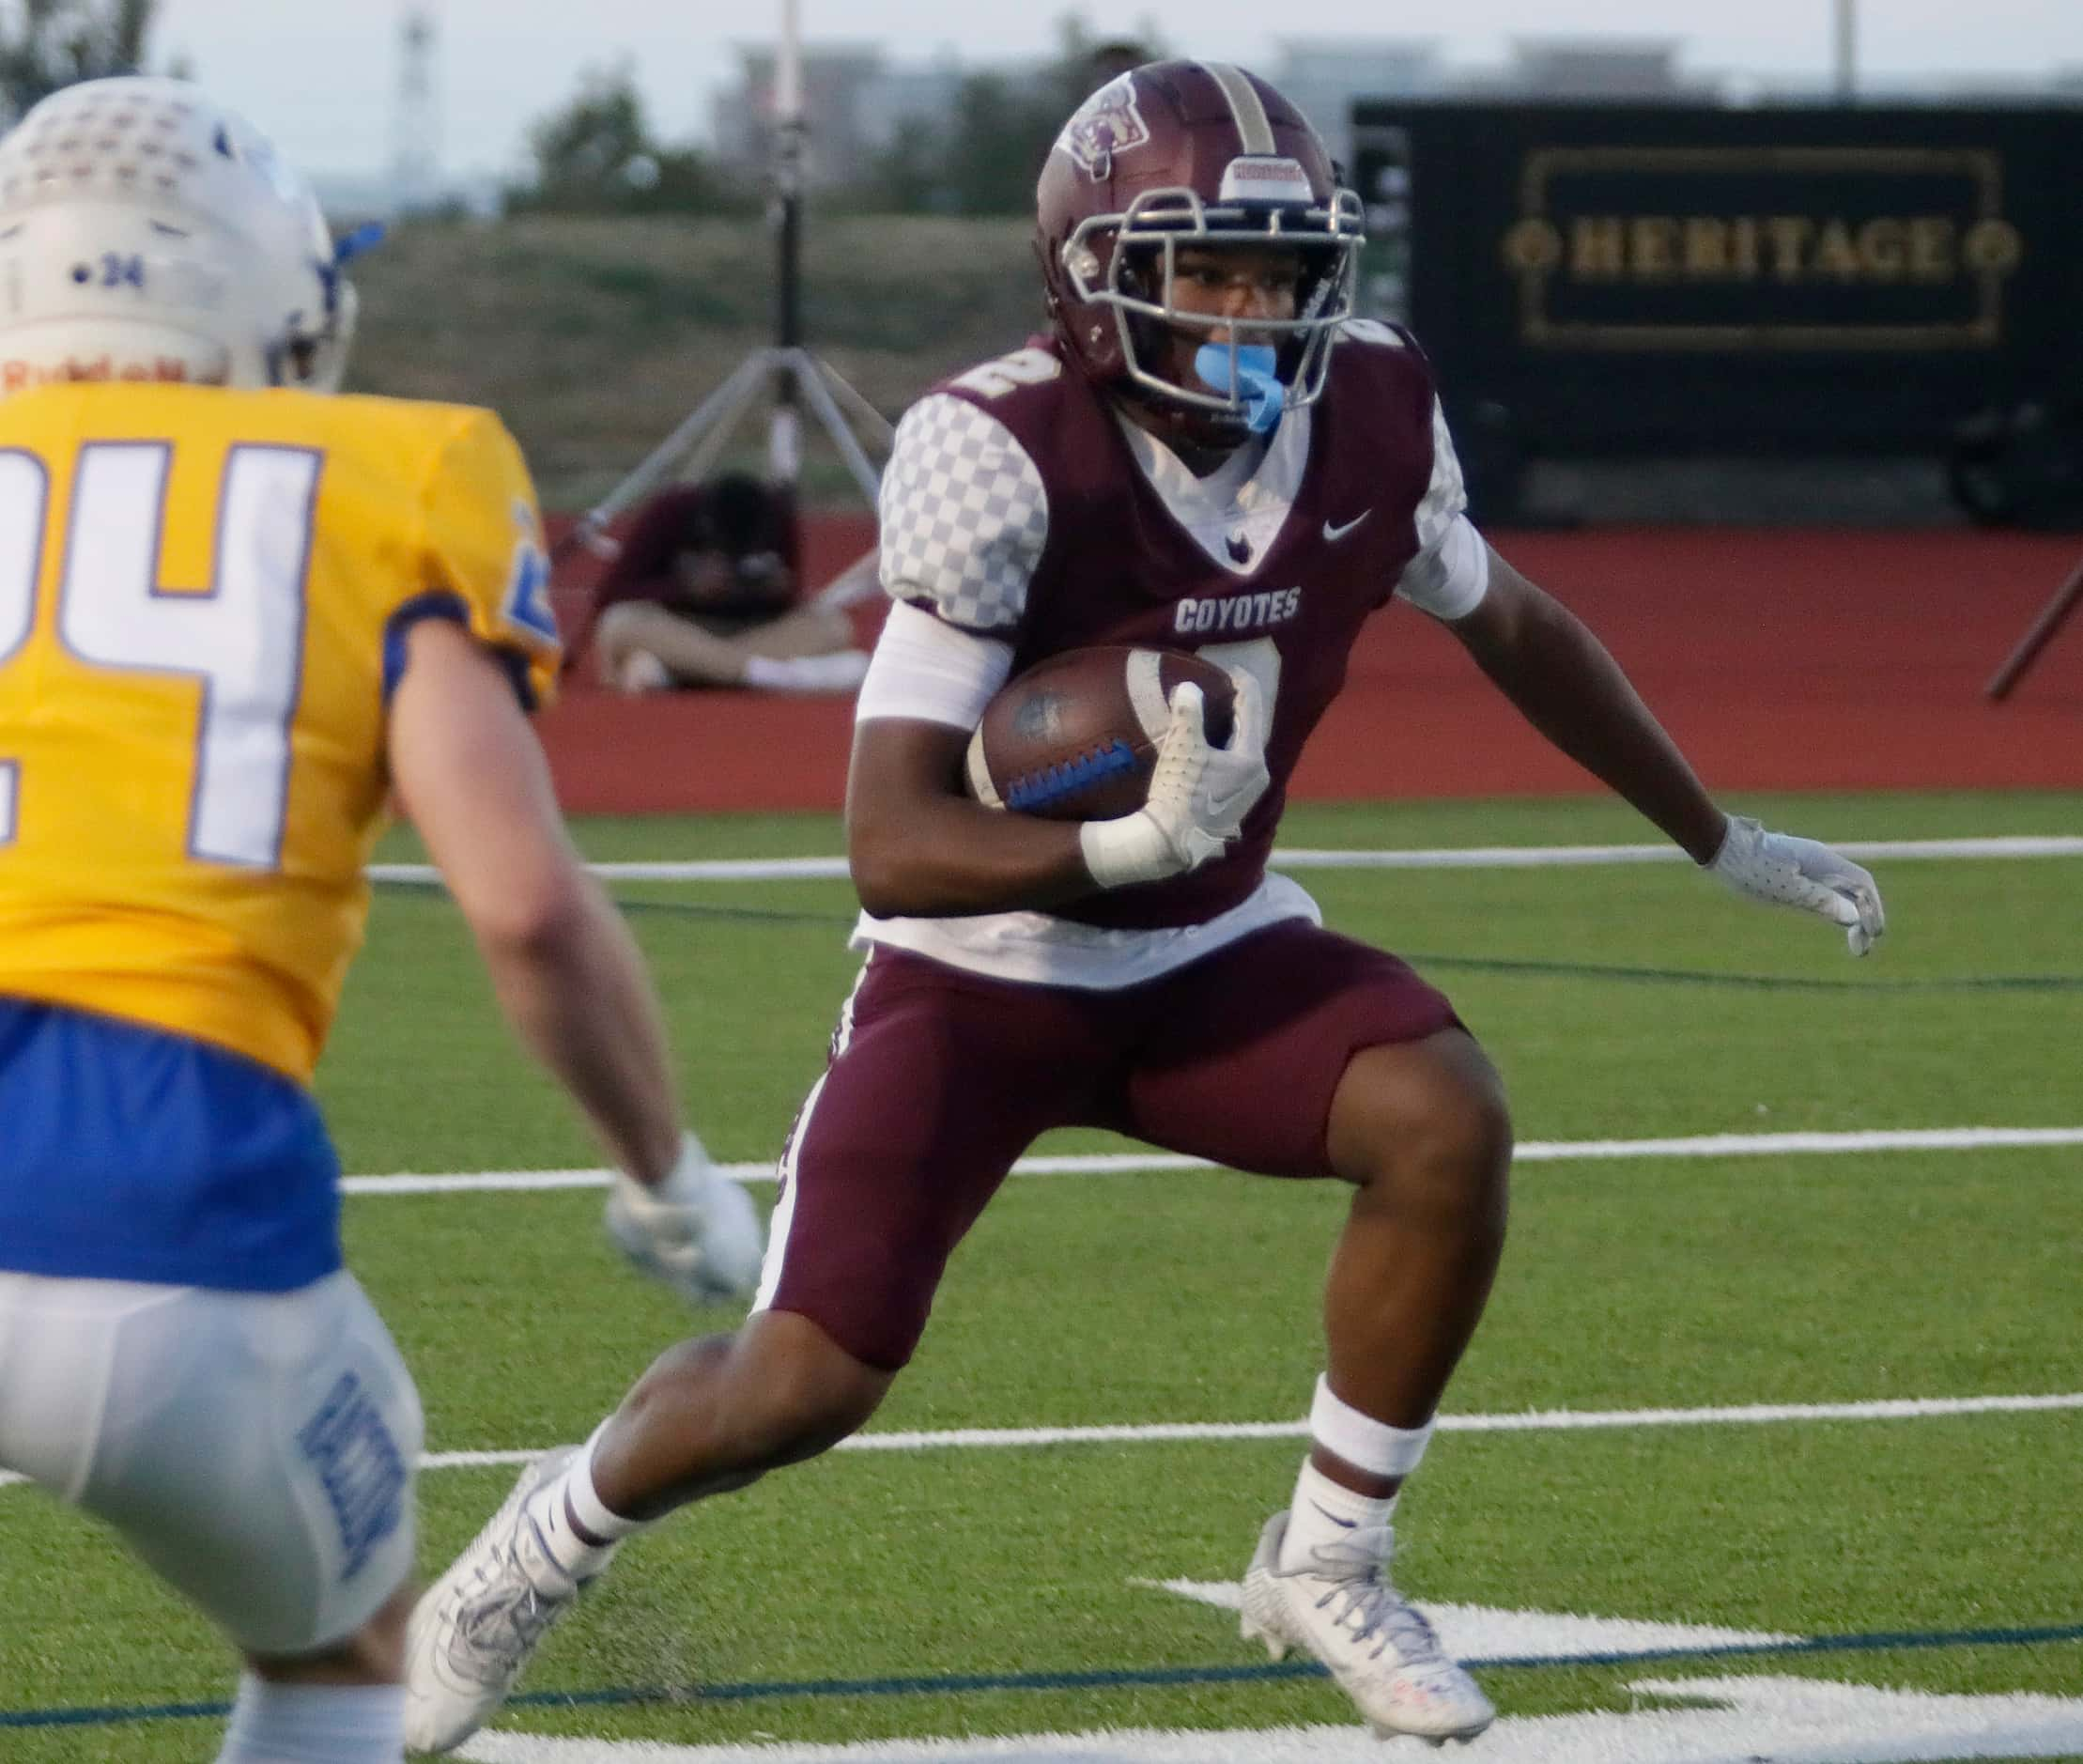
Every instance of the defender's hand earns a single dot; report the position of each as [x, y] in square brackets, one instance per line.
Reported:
[1199, 794]
[1777, 867]
[698, 1230]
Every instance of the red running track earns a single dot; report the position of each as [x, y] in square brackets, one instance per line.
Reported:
[1779, 659]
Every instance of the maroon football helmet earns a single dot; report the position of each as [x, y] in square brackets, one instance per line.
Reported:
[1202, 154]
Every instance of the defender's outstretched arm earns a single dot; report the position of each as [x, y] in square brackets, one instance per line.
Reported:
[472, 774]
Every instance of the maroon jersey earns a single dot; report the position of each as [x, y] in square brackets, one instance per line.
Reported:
[1016, 507]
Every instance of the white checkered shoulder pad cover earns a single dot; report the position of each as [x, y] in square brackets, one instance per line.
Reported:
[963, 514]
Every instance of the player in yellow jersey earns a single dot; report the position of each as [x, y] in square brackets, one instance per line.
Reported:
[235, 615]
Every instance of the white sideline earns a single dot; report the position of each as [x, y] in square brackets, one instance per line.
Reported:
[1520, 1421]
[1527, 1421]
[1790, 1719]
[1304, 858]
[1532, 1152]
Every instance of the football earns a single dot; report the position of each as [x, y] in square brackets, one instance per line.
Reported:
[1074, 737]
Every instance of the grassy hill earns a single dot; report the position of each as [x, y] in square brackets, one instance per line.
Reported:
[594, 337]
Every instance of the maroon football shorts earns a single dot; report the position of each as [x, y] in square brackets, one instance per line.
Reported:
[940, 1079]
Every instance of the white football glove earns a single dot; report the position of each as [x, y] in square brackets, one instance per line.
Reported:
[697, 1231]
[1802, 872]
[1199, 794]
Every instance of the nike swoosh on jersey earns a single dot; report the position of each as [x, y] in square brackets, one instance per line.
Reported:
[1333, 534]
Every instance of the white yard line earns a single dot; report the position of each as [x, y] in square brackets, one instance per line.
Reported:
[1532, 1152]
[1526, 1421]
[1560, 1420]
[1521, 1422]
[1586, 856]
[1791, 1720]
[1303, 857]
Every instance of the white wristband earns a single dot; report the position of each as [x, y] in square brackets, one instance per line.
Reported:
[1749, 863]
[1127, 849]
[1724, 854]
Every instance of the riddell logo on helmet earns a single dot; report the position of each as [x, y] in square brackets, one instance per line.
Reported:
[1257, 179]
[1106, 123]
[162, 370]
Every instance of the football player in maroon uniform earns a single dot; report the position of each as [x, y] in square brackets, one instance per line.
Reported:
[1209, 452]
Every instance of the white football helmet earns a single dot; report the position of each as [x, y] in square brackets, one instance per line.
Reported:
[148, 233]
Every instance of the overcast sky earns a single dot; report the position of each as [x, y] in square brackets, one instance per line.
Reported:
[323, 78]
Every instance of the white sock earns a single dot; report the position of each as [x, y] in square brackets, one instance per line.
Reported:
[1326, 1512]
[1357, 1439]
[570, 1495]
[315, 1723]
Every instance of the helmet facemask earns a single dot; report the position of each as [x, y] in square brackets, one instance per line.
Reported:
[1128, 263]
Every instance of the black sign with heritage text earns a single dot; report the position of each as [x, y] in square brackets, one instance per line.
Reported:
[1627, 278]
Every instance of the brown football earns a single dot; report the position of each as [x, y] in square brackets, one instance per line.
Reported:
[1074, 737]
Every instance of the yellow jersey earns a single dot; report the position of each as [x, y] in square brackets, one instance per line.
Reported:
[203, 601]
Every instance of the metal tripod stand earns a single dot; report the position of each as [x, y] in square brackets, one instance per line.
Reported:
[792, 372]
[794, 375]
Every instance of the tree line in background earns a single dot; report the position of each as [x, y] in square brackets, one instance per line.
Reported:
[45, 45]
[598, 153]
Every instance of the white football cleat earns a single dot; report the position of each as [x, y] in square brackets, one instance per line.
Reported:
[698, 1230]
[474, 1629]
[1383, 1652]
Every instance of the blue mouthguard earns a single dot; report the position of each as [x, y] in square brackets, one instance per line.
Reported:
[1257, 385]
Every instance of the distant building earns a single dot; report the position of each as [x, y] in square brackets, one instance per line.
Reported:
[840, 86]
[905, 96]
[1322, 75]
[857, 101]
[1611, 69]
[836, 80]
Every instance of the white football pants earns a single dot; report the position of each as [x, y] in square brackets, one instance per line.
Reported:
[257, 1450]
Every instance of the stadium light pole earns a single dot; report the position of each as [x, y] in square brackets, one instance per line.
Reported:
[794, 375]
[784, 438]
[1847, 49]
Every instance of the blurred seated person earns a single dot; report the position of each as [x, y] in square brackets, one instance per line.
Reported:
[703, 593]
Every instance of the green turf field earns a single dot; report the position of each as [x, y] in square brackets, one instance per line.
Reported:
[1622, 1003]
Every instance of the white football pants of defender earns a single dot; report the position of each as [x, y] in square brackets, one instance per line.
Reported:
[257, 1450]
